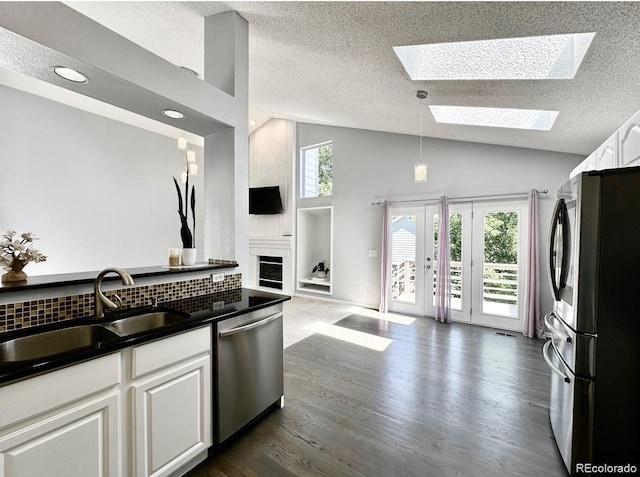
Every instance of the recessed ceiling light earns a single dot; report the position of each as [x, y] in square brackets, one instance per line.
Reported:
[252, 122]
[275, 115]
[173, 114]
[495, 117]
[535, 57]
[70, 74]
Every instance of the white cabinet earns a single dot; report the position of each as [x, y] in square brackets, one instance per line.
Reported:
[314, 245]
[144, 411]
[171, 394]
[622, 149]
[607, 154]
[589, 164]
[629, 141]
[605, 157]
[65, 423]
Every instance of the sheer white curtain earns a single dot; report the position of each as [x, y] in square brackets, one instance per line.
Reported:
[443, 266]
[533, 326]
[385, 268]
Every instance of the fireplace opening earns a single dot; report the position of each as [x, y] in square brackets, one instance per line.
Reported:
[270, 271]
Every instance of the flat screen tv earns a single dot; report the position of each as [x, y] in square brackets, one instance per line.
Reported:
[265, 200]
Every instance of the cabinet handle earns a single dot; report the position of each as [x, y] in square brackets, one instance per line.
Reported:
[250, 326]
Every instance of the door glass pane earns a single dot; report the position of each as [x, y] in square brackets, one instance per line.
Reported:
[455, 235]
[403, 258]
[434, 254]
[500, 267]
[455, 257]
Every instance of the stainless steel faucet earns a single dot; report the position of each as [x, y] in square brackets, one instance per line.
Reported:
[101, 301]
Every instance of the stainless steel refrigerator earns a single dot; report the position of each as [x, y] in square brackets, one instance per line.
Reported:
[594, 352]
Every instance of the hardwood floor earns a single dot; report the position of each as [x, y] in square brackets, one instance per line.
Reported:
[441, 400]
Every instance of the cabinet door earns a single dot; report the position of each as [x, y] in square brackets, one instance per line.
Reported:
[589, 164]
[172, 417]
[78, 441]
[629, 145]
[606, 155]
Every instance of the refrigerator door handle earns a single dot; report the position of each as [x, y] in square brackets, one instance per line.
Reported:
[548, 359]
[556, 332]
[557, 215]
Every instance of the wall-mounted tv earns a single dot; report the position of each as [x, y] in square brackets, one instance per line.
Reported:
[265, 200]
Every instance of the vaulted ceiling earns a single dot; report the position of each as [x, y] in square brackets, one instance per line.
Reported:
[333, 62]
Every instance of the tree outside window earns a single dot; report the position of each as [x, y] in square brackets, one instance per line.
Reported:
[317, 171]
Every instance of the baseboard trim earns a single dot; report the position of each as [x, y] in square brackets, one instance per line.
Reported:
[335, 300]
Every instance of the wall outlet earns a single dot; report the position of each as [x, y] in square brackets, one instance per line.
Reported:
[359, 288]
[217, 305]
[373, 253]
[217, 277]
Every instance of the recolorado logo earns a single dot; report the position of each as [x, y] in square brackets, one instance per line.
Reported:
[587, 468]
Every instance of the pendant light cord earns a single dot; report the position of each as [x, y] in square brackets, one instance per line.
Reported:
[421, 107]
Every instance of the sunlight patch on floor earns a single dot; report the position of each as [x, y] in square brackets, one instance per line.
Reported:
[392, 317]
[359, 338]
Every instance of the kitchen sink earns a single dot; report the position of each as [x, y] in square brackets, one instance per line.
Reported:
[54, 342]
[146, 322]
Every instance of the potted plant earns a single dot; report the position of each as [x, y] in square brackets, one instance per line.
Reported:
[187, 236]
[16, 253]
[320, 270]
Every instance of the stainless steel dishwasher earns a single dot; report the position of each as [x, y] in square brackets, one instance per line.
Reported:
[249, 369]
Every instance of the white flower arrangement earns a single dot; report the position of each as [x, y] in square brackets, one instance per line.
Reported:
[16, 252]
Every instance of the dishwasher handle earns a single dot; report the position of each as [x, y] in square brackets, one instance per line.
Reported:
[250, 326]
[554, 368]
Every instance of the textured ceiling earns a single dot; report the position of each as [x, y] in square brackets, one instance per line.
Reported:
[333, 62]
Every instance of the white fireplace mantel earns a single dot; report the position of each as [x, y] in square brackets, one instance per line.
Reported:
[272, 246]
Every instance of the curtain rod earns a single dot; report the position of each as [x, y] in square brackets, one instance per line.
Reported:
[460, 199]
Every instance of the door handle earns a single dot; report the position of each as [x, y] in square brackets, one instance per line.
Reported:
[250, 326]
[554, 330]
[557, 215]
[554, 368]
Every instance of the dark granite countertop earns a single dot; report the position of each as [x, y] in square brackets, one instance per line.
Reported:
[198, 311]
[45, 281]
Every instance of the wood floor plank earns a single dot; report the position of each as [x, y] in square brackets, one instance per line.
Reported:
[441, 400]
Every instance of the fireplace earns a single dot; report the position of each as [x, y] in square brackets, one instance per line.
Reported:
[271, 263]
[270, 271]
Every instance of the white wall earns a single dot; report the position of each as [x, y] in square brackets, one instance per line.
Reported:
[271, 158]
[98, 192]
[371, 166]
[227, 67]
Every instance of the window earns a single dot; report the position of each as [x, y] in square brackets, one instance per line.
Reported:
[316, 170]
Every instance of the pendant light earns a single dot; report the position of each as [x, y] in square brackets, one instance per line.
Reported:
[420, 169]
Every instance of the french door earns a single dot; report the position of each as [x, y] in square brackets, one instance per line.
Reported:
[486, 258]
[414, 244]
[411, 258]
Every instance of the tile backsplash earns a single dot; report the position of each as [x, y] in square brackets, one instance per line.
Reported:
[14, 316]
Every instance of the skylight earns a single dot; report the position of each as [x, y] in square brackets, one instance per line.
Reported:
[495, 117]
[535, 57]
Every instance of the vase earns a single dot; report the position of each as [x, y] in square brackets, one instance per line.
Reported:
[189, 256]
[14, 276]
